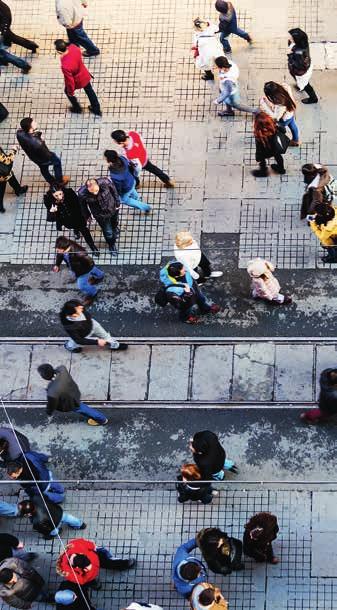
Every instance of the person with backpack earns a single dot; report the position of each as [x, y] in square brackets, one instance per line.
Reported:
[183, 293]
[7, 175]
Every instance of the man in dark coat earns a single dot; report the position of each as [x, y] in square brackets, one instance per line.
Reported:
[210, 456]
[64, 395]
[260, 531]
[12, 445]
[8, 35]
[327, 401]
[47, 517]
[221, 552]
[10, 546]
[32, 467]
[20, 585]
[99, 198]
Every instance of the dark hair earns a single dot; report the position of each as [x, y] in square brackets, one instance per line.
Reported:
[309, 172]
[80, 561]
[70, 307]
[6, 575]
[26, 123]
[299, 37]
[3, 444]
[119, 135]
[279, 95]
[61, 45]
[332, 376]
[13, 467]
[206, 597]
[264, 127]
[46, 371]
[26, 507]
[221, 6]
[63, 243]
[222, 62]
[324, 213]
[190, 570]
[113, 157]
[90, 180]
[174, 269]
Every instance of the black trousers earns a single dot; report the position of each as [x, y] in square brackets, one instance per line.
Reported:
[94, 103]
[278, 159]
[205, 267]
[15, 186]
[84, 231]
[153, 169]
[10, 38]
[3, 113]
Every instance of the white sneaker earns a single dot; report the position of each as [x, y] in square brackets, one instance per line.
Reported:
[216, 274]
[214, 492]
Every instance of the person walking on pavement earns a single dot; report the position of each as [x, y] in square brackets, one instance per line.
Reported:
[70, 14]
[134, 149]
[47, 517]
[8, 35]
[278, 102]
[188, 252]
[7, 175]
[76, 76]
[64, 395]
[264, 285]
[80, 265]
[10, 546]
[63, 208]
[210, 456]
[72, 597]
[121, 175]
[32, 466]
[12, 445]
[20, 584]
[323, 222]
[300, 65]
[37, 151]
[320, 187]
[327, 400]
[187, 571]
[207, 597]
[99, 199]
[221, 552]
[270, 141]
[190, 488]
[229, 88]
[260, 531]
[84, 330]
[228, 25]
[206, 46]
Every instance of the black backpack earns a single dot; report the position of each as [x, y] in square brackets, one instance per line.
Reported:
[161, 297]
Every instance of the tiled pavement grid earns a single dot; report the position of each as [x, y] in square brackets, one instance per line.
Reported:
[146, 79]
[149, 524]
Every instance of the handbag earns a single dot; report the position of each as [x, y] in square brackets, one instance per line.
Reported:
[5, 169]
[280, 142]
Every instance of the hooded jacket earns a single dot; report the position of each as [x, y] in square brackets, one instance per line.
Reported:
[210, 457]
[219, 560]
[103, 205]
[62, 392]
[123, 180]
[79, 330]
[79, 546]
[34, 147]
[14, 449]
[182, 556]
[177, 288]
[27, 587]
[40, 519]
[68, 212]
[257, 549]
[327, 401]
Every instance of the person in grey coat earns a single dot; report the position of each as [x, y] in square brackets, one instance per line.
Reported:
[12, 445]
[20, 585]
[64, 395]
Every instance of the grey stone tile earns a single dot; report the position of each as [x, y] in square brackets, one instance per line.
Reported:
[14, 366]
[324, 518]
[169, 372]
[221, 216]
[323, 554]
[253, 372]
[129, 374]
[293, 375]
[212, 372]
[41, 354]
[93, 365]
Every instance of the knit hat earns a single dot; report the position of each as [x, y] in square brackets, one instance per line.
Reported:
[183, 239]
[65, 597]
[221, 6]
[258, 267]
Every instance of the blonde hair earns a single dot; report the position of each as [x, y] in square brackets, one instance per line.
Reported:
[183, 239]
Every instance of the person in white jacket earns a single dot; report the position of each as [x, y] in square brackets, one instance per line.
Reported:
[70, 14]
[188, 252]
[206, 46]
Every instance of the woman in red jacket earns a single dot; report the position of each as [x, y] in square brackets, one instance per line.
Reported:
[76, 76]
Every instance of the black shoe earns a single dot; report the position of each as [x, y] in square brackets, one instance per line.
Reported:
[131, 563]
[122, 347]
[34, 50]
[95, 253]
[326, 259]
[2, 210]
[99, 113]
[309, 100]
[22, 190]
[76, 109]
[83, 526]
[50, 599]
[260, 173]
[77, 235]
[95, 585]
[86, 54]
[278, 169]
[26, 69]
[76, 350]
[31, 556]
[226, 113]
[208, 75]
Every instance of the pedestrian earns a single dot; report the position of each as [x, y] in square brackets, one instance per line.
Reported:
[8, 509]
[134, 149]
[63, 208]
[76, 76]
[210, 456]
[183, 293]
[82, 560]
[11, 546]
[70, 14]
[264, 285]
[278, 102]
[228, 25]
[7, 175]
[32, 466]
[320, 187]
[188, 252]
[47, 517]
[37, 151]
[142, 606]
[327, 400]
[190, 488]
[207, 597]
[12, 445]
[20, 584]
[81, 265]
[64, 395]
[270, 141]
[229, 88]
[8, 35]
[84, 330]
[3, 111]
[323, 222]
[99, 199]
[187, 571]
[299, 63]
[120, 173]
[206, 46]
[74, 597]
[221, 552]
[260, 531]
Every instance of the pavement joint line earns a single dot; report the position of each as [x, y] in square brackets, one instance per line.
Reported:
[37, 404]
[178, 340]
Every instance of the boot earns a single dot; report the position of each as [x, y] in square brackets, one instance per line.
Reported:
[261, 173]
[312, 99]
[208, 75]
[278, 168]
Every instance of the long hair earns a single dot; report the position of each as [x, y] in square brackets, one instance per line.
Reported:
[264, 127]
[299, 37]
[190, 472]
[324, 213]
[279, 95]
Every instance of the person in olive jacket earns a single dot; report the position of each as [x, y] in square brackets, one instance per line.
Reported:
[99, 198]
[260, 531]
[221, 552]
[327, 401]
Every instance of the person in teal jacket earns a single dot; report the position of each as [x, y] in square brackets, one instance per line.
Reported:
[187, 571]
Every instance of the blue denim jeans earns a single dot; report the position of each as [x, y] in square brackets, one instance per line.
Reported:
[132, 199]
[87, 411]
[12, 59]
[55, 161]
[219, 476]
[79, 37]
[54, 490]
[234, 101]
[70, 520]
[84, 285]
[291, 123]
[8, 510]
[200, 301]
[224, 37]
[109, 227]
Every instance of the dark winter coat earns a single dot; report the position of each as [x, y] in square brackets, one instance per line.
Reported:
[192, 490]
[327, 401]
[38, 466]
[323, 193]
[40, 520]
[79, 331]
[68, 213]
[220, 560]
[7, 544]
[14, 449]
[103, 205]
[211, 456]
[268, 148]
[258, 549]
[63, 393]
[27, 587]
[79, 603]
[34, 147]
[123, 180]
[79, 261]
[299, 61]
[5, 18]
[228, 24]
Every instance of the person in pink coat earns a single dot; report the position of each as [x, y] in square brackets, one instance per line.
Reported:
[76, 76]
[265, 286]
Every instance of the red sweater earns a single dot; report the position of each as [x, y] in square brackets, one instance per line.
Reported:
[137, 149]
[76, 75]
[79, 546]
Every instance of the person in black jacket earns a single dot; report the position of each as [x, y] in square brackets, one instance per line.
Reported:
[260, 531]
[81, 266]
[267, 135]
[31, 470]
[47, 517]
[7, 175]
[190, 488]
[8, 35]
[63, 208]
[327, 401]
[12, 445]
[210, 456]
[99, 198]
[64, 395]
[221, 552]
[84, 330]
[228, 24]
[10, 546]
[299, 63]
[38, 152]
[73, 597]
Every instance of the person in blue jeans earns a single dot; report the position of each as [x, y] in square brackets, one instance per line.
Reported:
[32, 472]
[9, 58]
[47, 517]
[228, 73]
[70, 14]
[187, 571]
[278, 102]
[120, 172]
[8, 510]
[228, 24]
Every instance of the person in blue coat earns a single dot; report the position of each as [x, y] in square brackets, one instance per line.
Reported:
[187, 571]
[32, 466]
[228, 24]
[124, 181]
